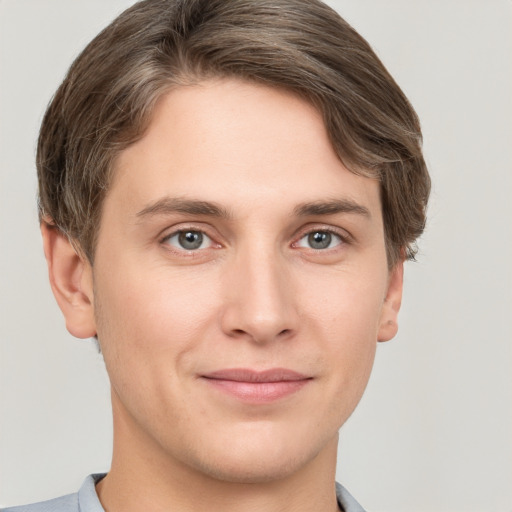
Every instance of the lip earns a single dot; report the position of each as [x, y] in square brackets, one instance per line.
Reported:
[257, 386]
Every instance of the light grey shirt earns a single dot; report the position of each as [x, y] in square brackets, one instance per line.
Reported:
[86, 500]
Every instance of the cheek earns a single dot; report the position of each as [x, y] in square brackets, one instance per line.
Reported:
[346, 305]
[157, 315]
[151, 329]
[344, 315]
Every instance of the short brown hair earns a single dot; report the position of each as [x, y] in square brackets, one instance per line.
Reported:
[107, 98]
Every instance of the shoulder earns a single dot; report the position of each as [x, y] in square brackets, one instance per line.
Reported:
[68, 503]
[85, 500]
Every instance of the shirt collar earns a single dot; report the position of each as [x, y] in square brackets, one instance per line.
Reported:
[88, 500]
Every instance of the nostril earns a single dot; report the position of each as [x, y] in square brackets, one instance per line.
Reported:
[242, 332]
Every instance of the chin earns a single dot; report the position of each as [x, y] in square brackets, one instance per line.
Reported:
[261, 460]
[251, 470]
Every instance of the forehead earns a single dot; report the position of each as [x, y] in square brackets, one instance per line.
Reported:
[239, 143]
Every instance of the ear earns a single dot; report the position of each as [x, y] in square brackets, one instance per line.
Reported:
[388, 326]
[71, 281]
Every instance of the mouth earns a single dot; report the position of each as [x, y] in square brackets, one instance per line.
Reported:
[257, 386]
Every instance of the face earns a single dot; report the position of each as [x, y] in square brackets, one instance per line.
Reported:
[240, 284]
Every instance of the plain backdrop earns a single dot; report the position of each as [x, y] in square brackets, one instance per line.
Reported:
[434, 429]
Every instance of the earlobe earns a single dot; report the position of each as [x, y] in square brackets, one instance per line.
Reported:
[388, 326]
[71, 281]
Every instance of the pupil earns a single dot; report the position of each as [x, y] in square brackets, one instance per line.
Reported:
[319, 240]
[190, 239]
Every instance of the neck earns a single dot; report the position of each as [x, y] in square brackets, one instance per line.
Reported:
[144, 476]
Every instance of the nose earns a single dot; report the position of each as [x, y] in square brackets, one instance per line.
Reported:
[260, 304]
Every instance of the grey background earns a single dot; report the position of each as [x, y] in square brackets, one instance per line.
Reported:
[434, 430]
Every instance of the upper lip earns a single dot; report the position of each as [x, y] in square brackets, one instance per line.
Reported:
[248, 375]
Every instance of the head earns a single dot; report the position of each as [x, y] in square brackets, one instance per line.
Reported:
[106, 102]
[228, 192]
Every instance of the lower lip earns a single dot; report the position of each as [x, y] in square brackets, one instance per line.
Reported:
[258, 392]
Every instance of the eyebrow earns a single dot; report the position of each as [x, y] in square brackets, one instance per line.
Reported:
[331, 207]
[168, 205]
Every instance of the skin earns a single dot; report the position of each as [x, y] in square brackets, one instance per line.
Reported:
[255, 295]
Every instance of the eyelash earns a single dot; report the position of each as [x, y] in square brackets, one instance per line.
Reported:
[344, 238]
[182, 251]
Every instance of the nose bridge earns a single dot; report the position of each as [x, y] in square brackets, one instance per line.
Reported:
[260, 298]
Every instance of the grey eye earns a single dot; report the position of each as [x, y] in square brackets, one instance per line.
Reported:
[189, 240]
[320, 240]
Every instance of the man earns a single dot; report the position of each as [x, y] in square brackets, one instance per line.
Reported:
[228, 191]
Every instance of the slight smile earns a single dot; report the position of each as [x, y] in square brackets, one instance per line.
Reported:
[257, 386]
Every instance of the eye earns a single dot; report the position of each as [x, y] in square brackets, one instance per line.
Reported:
[319, 240]
[189, 240]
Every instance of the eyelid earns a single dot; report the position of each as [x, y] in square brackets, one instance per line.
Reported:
[205, 240]
[334, 242]
[344, 235]
[169, 232]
